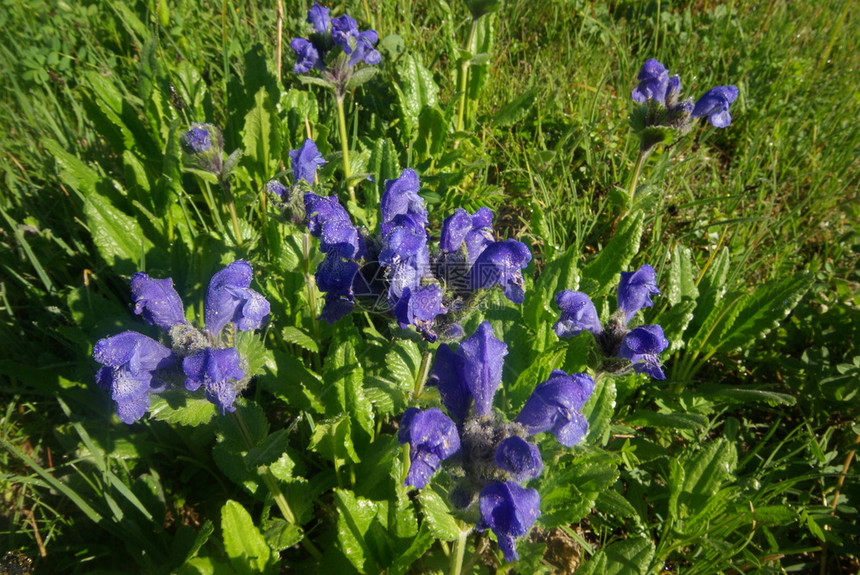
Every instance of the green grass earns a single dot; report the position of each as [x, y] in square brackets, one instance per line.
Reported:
[778, 189]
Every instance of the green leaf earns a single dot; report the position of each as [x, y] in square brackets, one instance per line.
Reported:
[260, 138]
[744, 395]
[269, 450]
[432, 132]
[118, 237]
[671, 420]
[384, 166]
[599, 408]
[300, 337]
[355, 515]
[604, 271]
[417, 549]
[704, 472]
[77, 175]
[344, 375]
[538, 372]
[711, 289]
[416, 90]
[180, 407]
[561, 273]
[361, 76]
[570, 492]
[757, 313]
[316, 81]
[333, 440]
[516, 110]
[244, 544]
[440, 522]
[484, 42]
[630, 557]
[280, 535]
[682, 280]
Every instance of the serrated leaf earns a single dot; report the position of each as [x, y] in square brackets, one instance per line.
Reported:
[300, 337]
[417, 548]
[118, 236]
[333, 440]
[432, 132]
[672, 420]
[599, 408]
[260, 137]
[416, 90]
[745, 395]
[614, 504]
[269, 450]
[675, 321]
[439, 521]
[605, 270]
[570, 492]
[244, 544]
[280, 535]
[484, 42]
[682, 280]
[361, 76]
[345, 376]
[355, 515]
[179, 407]
[704, 472]
[316, 81]
[760, 311]
[630, 557]
[711, 289]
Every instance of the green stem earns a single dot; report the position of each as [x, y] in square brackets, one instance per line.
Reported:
[310, 282]
[464, 76]
[344, 146]
[418, 385]
[272, 484]
[459, 551]
[636, 171]
[225, 185]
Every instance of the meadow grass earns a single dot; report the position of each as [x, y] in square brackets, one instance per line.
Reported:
[778, 190]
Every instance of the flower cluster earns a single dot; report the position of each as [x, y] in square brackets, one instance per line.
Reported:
[641, 345]
[663, 107]
[319, 50]
[304, 163]
[203, 145]
[136, 365]
[417, 285]
[488, 455]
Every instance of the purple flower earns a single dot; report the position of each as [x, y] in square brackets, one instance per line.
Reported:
[157, 301]
[278, 189]
[510, 511]
[231, 299]
[364, 51]
[307, 56]
[500, 263]
[330, 222]
[132, 362]
[446, 374]
[432, 438]
[475, 231]
[215, 370]
[419, 307]
[318, 17]
[483, 358]
[635, 289]
[335, 277]
[653, 82]
[577, 314]
[304, 162]
[715, 105]
[519, 458]
[344, 28]
[642, 346]
[555, 406]
[198, 138]
[404, 254]
[401, 198]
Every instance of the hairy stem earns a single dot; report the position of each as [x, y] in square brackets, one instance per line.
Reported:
[344, 146]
